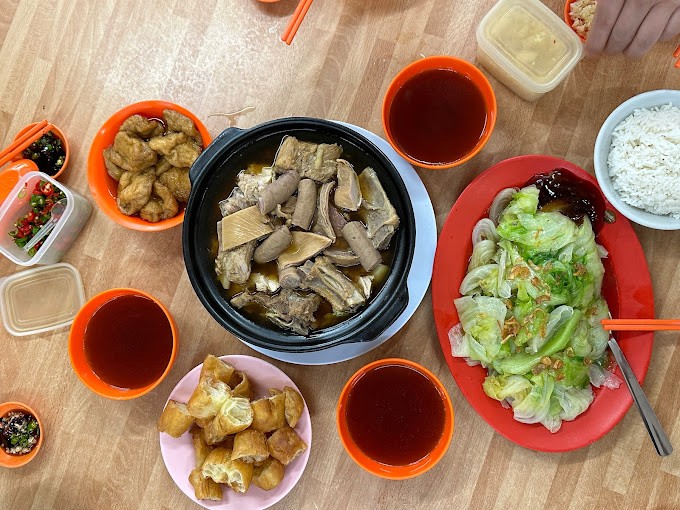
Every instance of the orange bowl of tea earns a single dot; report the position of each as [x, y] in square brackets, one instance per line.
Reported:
[395, 419]
[122, 343]
[439, 112]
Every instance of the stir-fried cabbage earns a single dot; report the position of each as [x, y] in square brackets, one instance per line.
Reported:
[531, 311]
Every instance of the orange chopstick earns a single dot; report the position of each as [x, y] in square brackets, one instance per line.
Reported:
[677, 55]
[18, 145]
[295, 21]
[641, 324]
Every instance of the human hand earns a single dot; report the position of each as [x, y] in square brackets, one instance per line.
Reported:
[632, 27]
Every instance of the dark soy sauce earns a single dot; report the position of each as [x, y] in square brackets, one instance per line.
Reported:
[128, 342]
[395, 415]
[562, 191]
[438, 116]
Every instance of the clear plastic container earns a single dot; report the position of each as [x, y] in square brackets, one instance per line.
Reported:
[58, 242]
[41, 299]
[527, 47]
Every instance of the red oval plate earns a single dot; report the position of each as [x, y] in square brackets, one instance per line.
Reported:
[627, 288]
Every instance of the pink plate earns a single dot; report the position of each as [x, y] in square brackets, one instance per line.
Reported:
[178, 454]
[627, 287]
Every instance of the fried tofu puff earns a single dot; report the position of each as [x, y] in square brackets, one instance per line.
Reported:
[175, 419]
[240, 385]
[294, 405]
[268, 475]
[134, 191]
[208, 398]
[217, 369]
[164, 144]
[205, 487]
[284, 445]
[177, 181]
[250, 446]
[181, 123]
[136, 154]
[184, 154]
[142, 127]
[111, 168]
[269, 413]
[221, 469]
[161, 206]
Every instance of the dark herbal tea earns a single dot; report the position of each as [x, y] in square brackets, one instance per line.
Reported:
[128, 342]
[438, 116]
[395, 415]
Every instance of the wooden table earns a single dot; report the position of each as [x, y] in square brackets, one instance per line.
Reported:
[75, 62]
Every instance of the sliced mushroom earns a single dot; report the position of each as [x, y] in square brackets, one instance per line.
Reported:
[305, 245]
[243, 226]
[273, 246]
[342, 258]
[348, 194]
[323, 222]
[357, 237]
[305, 205]
[278, 191]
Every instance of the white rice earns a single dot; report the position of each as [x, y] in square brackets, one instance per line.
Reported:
[644, 160]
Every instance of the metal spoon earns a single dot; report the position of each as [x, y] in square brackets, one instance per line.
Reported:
[55, 215]
[659, 438]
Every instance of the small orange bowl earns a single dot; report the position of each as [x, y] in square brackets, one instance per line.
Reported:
[76, 346]
[64, 144]
[568, 20]
[104, 188]
[15, 461]
[442, 62]
[393, 472]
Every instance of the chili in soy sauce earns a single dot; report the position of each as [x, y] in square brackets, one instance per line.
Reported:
[562, 191]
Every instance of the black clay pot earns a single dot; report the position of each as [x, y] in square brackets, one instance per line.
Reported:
[213, 176]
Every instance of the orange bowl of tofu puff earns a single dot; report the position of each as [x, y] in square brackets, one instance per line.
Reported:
[138, 166]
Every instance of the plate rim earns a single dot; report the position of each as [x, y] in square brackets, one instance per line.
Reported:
[561, 441]
[224, 504]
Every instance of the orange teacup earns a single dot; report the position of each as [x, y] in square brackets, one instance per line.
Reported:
[83, 366]
[460, 87]
[387, 432]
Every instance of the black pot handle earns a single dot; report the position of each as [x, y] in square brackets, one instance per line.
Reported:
[202, 163]
[390, 313]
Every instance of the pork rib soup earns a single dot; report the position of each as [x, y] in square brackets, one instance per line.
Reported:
[304, 238]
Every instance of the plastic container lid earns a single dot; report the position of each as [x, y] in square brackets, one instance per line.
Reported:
[41, 299]
[529, 42]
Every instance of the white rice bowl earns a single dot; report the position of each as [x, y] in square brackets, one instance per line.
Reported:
[637, 159]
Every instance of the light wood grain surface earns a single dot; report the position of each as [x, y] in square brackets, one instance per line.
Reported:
[75, 62]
